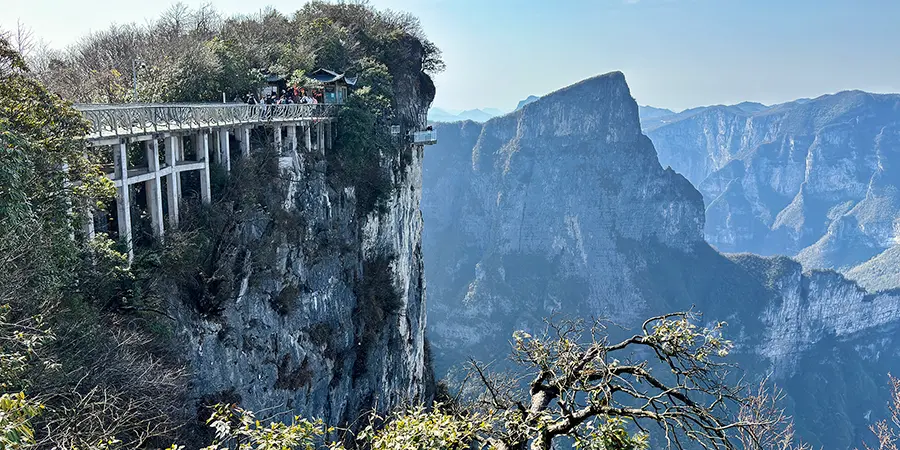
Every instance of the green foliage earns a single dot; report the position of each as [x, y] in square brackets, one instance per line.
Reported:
[15, 412]
[238, 429]
[609, 433]
[95, 377]
[421, 429]
[19, 343]
[680, 336]
[194, 55]
[356, 161]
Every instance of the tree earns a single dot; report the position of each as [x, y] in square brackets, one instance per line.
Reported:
[95, 372]
[610, 395]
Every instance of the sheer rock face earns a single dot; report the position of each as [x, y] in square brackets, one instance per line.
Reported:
[566, 184]
[563, 208]
[301, 330]
[815, 178]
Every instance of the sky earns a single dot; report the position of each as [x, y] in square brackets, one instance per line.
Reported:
[675, 54]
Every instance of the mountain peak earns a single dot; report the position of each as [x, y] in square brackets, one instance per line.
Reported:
[599, 106]
[530, 99]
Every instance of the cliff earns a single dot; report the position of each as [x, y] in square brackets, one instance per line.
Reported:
[562, 208]
[812, 178]
[322, 312]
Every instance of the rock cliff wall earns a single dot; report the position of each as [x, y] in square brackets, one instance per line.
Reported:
[325, 311]
[813, 178]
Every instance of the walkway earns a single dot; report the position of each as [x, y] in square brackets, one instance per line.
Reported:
[163, 130]
[134, 119]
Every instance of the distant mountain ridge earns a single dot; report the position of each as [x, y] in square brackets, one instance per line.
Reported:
[818, 178]
[480, 115]
[476, 115]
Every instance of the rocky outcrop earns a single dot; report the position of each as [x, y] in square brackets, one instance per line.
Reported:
[562, 208]
[325, 316]
[812, 178]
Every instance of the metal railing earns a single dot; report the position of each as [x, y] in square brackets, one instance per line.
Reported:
[137, 119]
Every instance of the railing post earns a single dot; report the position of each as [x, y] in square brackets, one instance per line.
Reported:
[154, 188]
[123, 200]
[173, 181]
[203, 155]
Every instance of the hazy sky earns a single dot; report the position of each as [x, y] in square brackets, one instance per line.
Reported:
[674, 53]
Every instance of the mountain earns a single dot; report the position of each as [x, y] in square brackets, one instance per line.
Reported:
[651, 116]
[879, 273]
[529, 99]
[813, 178]
[649, 112]
[477, 115]
[563, 208]
[441, 115]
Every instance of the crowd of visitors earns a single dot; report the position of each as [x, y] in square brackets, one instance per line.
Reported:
[289, 96]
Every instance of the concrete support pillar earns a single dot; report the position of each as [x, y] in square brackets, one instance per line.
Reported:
[87, 225]
[225, 149]
[329, 135]
[173, 180]
[87, 222]
[245, 141]
[67, 186]
[123, 197]
[180, 148]
[277, 135]
[307, 128]
[320, 137]
[179, 157]
[153, 187]
[292, 137]
[203, 155]
[215, 156]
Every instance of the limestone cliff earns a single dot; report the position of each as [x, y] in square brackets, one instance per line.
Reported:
[563, 208]
[812, 178]
[324, 310]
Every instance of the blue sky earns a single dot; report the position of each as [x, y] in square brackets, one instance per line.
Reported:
[674, 53]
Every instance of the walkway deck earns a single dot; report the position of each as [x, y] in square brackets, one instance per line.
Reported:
[136, 119]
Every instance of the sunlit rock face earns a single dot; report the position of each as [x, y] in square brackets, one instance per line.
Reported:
[324, 309]
[813, 178]
[563, 208]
